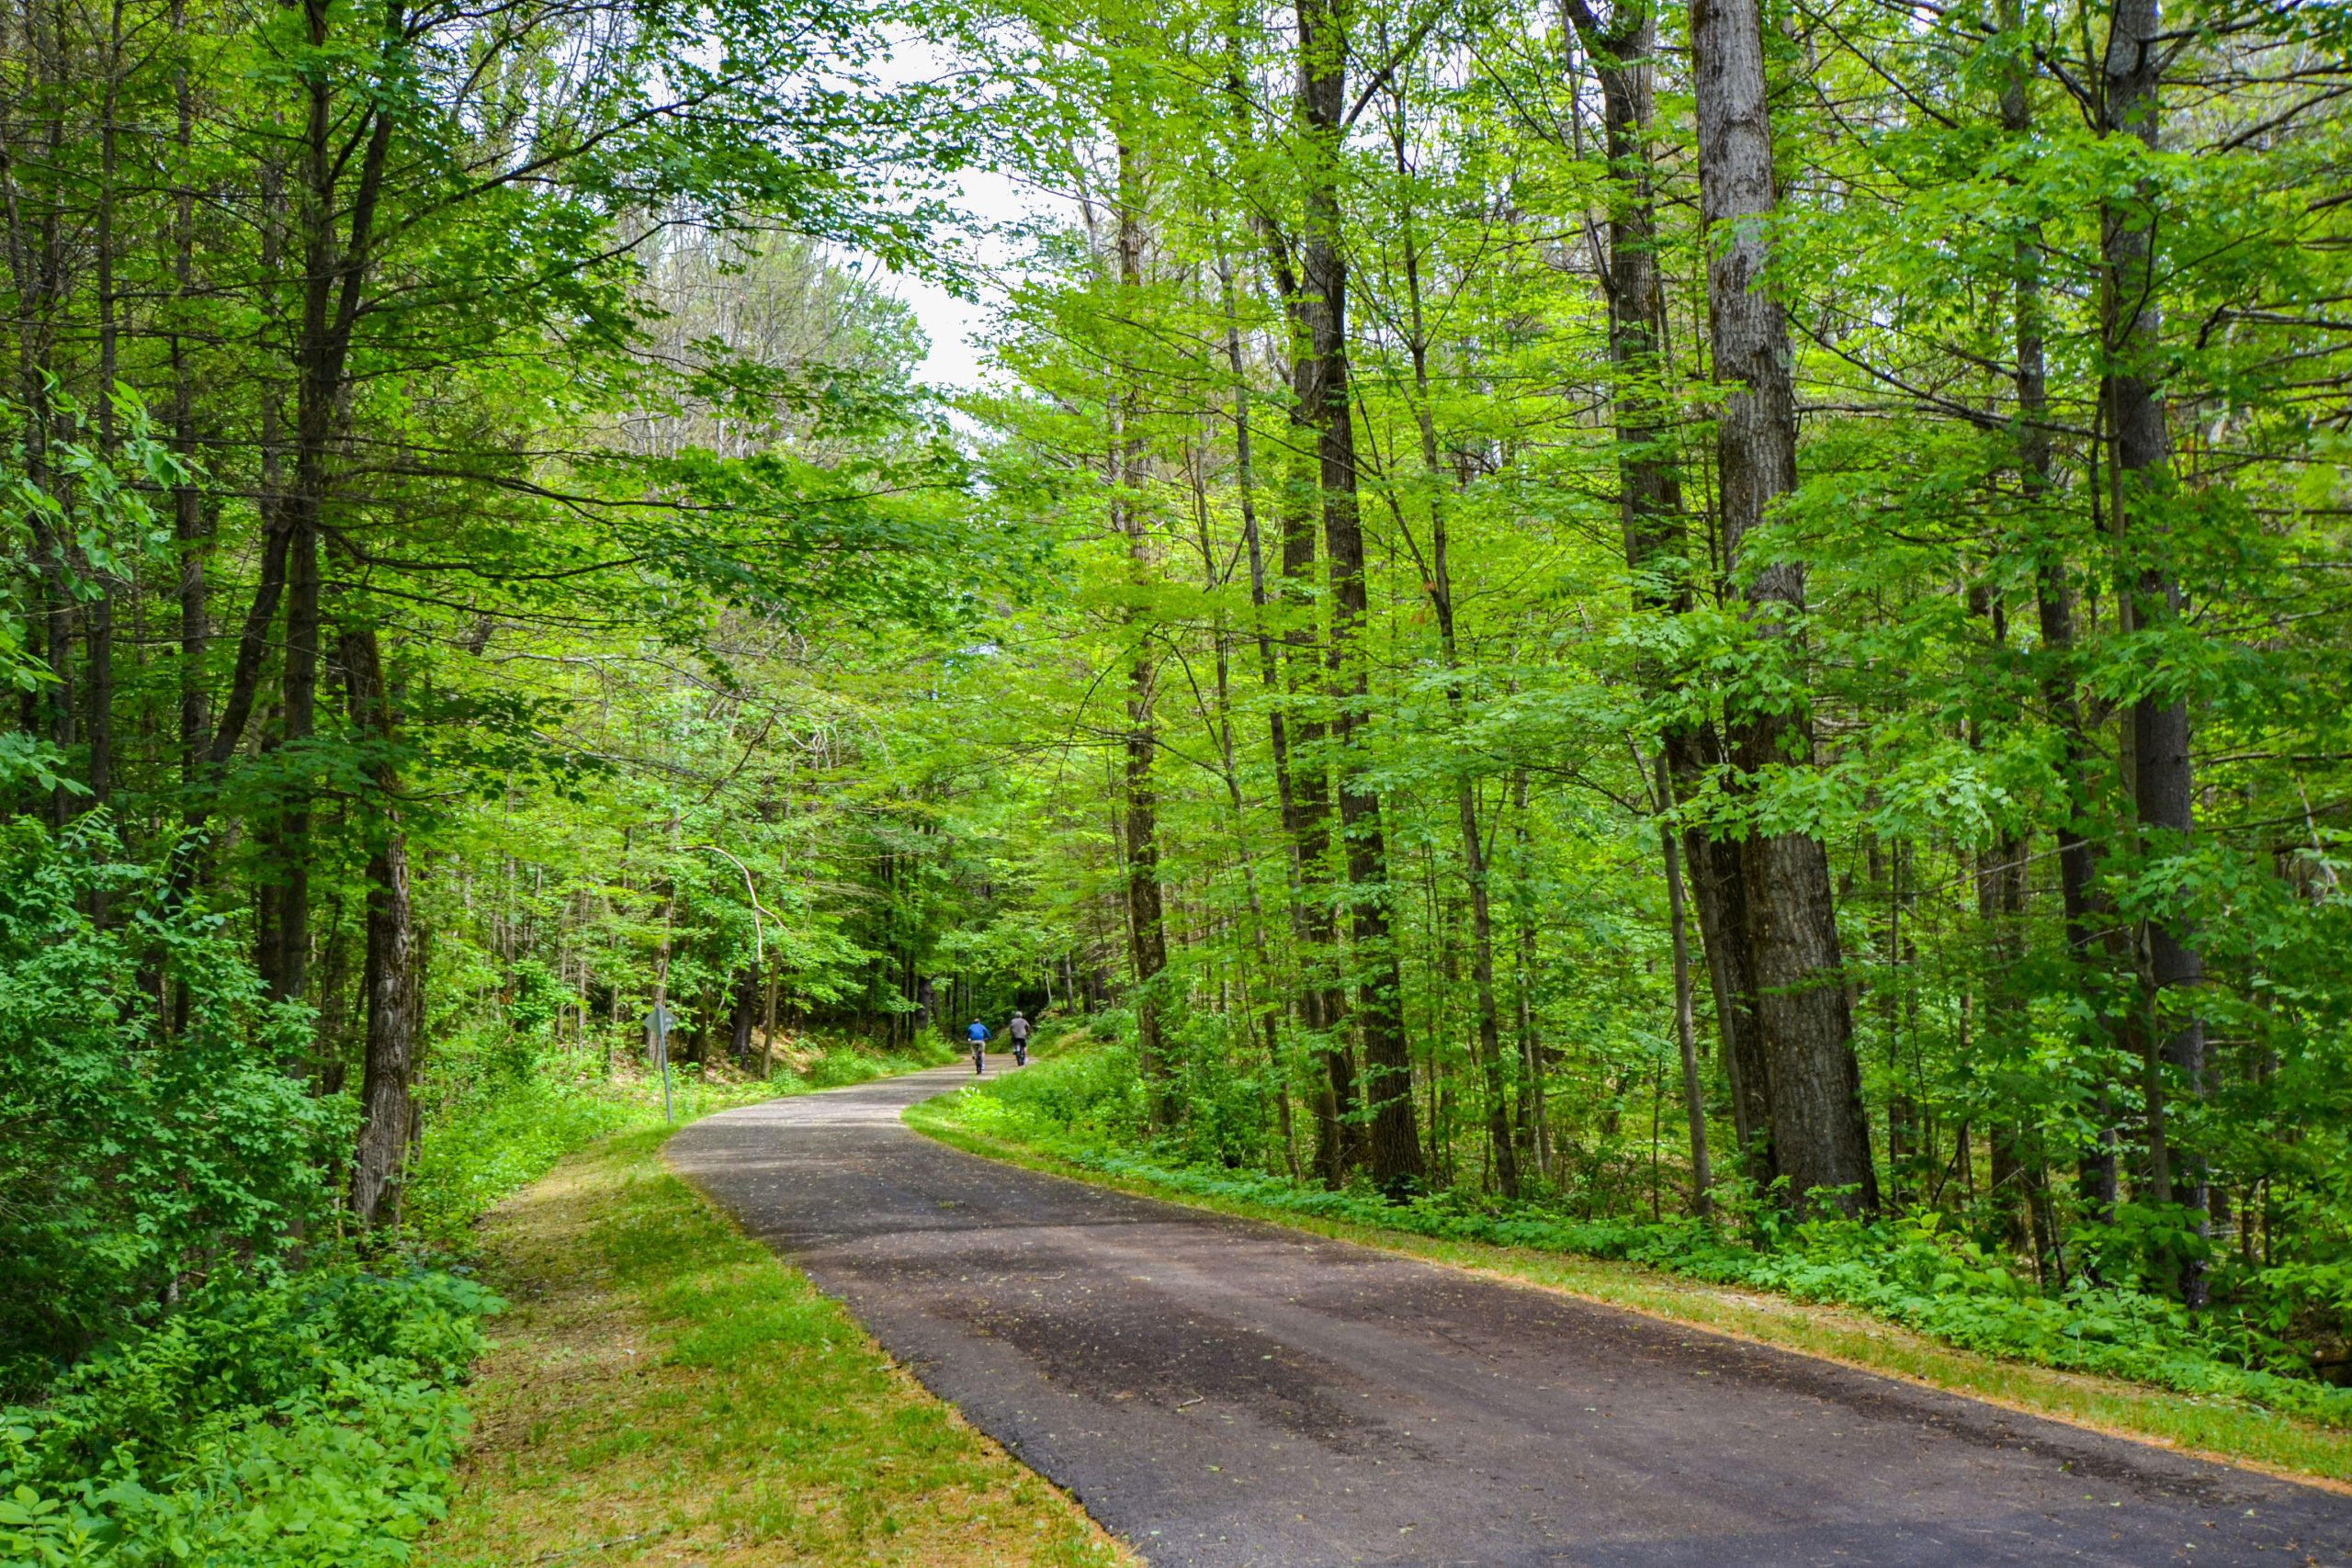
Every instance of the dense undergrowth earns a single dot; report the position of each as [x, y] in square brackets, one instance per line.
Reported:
[1919, 1268]
[225, 1380]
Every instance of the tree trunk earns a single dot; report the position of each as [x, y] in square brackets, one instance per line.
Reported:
[1300, 733]
[393, 982]
[1652, 519]
[2163, 785]
[1534, 1114]
[1719, 893]
[1147, 929]
[1820, 1137]
[744, 1016]
[1694, 1102]
[1388, 1069]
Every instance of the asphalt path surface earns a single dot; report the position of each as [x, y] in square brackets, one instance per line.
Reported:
[1217, 1391]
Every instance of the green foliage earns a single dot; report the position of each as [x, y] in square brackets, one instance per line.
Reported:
[138, 1157]
[308, 1421]
[504, 1135]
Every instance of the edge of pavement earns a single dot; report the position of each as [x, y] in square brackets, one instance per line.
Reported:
[2249, 1439]
[640, 1305]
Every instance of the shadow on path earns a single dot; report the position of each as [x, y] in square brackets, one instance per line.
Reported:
[1219, 1391]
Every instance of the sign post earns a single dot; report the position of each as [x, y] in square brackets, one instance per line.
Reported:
[658, 1024]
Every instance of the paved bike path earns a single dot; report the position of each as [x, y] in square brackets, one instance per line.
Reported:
[1224, 1392]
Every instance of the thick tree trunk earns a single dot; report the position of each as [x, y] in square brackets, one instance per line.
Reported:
[2055, 612]
[1388, 1087]
[1652, 519]
[393, 983]
[1147, 927]
[1340, 1134]
[1719, 894]
[1820, 1137]
[336, 261]
[2163, 784]
[744, 1016]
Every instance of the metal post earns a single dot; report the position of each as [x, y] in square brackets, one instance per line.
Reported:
[668, 1116]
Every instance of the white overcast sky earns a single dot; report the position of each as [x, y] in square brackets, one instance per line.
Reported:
[986, 198]
[950, 322]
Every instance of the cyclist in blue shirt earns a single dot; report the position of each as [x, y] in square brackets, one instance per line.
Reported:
[979, 1035]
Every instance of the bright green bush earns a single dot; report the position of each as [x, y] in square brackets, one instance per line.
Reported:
[294, 1422]
[135, 1156]
[502, 1135]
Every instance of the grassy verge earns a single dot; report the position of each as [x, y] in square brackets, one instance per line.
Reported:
[664, 1390]
[2219, 1428]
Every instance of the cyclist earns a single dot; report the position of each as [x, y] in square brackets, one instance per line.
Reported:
[979, 1035]
[1018, 1030]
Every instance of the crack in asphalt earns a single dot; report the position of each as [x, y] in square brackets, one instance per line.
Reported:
[1221, 1392]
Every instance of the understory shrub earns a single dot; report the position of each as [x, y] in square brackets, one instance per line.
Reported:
[135, 1156]
[292, 1421]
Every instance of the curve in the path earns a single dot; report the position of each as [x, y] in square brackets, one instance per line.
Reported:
[1222, 1392]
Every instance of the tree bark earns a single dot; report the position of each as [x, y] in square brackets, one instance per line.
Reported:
[1147, 927]
[393, 983]
[1388, 1087]
[2141, 458]
[1651, 517]
[1694, 1103]
[1306, 798]
[1820, 1136]
[744, 1016]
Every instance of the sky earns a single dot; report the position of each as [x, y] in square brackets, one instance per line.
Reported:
[949, 323]
[986, 198]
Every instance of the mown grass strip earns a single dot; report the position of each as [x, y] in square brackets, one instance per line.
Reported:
[2259, 1439]
[664, 1390]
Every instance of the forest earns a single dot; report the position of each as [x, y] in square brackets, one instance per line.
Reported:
[1718, 629]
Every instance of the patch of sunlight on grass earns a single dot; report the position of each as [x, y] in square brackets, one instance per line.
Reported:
[2238, 1434]
[664, 1390]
